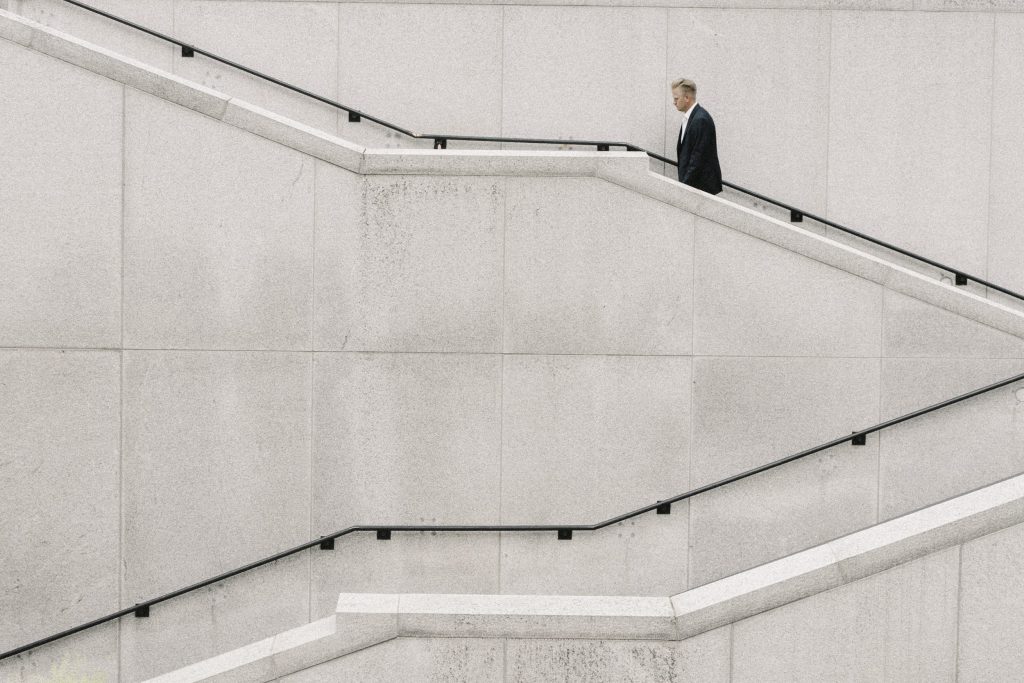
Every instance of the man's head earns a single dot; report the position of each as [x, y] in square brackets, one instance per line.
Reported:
[684, 93]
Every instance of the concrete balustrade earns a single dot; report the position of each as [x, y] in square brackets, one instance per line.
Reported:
[242, 333]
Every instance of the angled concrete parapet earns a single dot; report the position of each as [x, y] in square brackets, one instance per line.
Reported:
[288, 652]
[534, 616]
[850, 558]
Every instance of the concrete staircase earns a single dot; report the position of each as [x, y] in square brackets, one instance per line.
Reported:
[573, 284]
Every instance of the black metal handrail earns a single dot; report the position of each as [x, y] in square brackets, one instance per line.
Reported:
[564, 531]
[960, 276]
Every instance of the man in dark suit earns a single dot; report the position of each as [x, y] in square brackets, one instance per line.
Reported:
[696, 147]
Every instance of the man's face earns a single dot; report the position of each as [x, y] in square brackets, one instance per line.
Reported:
[681, 99]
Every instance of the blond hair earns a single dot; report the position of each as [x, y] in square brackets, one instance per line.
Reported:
[686, 85]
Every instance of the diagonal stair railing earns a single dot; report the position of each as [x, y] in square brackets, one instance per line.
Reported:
[564, 531]
[797, 215]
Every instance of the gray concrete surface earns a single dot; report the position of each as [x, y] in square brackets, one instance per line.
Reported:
[62, 206]
[1006, 204]
[928, 184]
[297, 43]
[755, 299]
[991, 607]
[415, 60]
[704, 659]
[157, 15]
[222, 262]
[60, 425]
[897, 625]
[914, 329]
[394, 272]
[788, 100]
[216, 474]
[209, 264]
[923, 460]
[624, 266]
[886, 603]
[413, 439]
[447, 659]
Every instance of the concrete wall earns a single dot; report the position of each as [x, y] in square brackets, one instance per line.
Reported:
[231, 347]
[896, 117]
[952, 615]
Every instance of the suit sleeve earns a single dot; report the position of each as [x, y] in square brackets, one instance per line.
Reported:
[699, 151]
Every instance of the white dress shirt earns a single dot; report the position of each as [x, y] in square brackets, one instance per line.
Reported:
[686, 122]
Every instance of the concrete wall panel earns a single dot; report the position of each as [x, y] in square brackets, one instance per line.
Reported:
[779, 512]
[88, 656]
[60, 508]
[407, 439]
[433, 426]
[992, 607]
[642, 556]
[587, 438]
[762, 76]
[913, 328]
[439, 70]
[413, 562]
[704, 659]
[952, 450]
[431, 660]
[214, 620]
[153, 14]
[585, 73]
[1005, 245]
[209, 262]
[908, 155]
[408, 263]
[60, 204]
[217, 474]
[594, 268]
[217, 464]
[592, 436]
[296, 42]
[899, 625]
[756, 299]
[749, 411]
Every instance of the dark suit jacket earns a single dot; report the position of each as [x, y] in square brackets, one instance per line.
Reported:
[697, 153]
